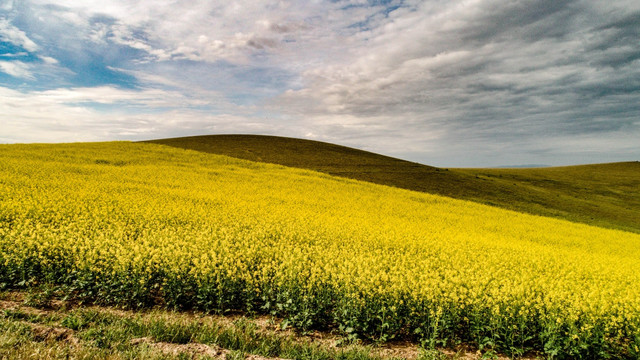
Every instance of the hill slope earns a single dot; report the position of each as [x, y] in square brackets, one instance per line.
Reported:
[606, 195]
[141, 225]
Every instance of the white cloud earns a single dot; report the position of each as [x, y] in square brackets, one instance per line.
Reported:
[16, 69]
[14, 55]
[110, 95]
[12, 34]
[49, 60]
[6, 5]
[65, 115]
[98, 33]
[212, 31]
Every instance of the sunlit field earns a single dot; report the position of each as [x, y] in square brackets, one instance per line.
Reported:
[137, 225]
[604, 195]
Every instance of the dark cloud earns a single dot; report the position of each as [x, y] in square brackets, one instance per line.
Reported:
[262, 43]
[529, 20]
[493, 72]
[288, 27]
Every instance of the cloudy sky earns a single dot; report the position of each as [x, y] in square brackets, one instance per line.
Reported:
[442, 82]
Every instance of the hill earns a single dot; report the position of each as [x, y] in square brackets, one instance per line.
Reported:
[144, 225]
[605, 195]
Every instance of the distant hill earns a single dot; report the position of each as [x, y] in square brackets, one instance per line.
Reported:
[523, 166]
[606, 195]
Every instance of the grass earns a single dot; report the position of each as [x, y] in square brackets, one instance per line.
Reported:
[69, 331]
[605, 195]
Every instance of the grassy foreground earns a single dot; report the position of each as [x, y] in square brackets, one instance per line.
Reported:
[138, 225]
[35, 325]
[606, 195]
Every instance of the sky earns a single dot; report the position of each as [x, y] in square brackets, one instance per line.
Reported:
[451, 83]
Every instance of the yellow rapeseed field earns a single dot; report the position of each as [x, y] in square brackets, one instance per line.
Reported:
[140, 224]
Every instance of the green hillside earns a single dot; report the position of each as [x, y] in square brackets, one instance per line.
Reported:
[606, 195]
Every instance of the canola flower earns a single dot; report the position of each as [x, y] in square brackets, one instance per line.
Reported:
[139, 224]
